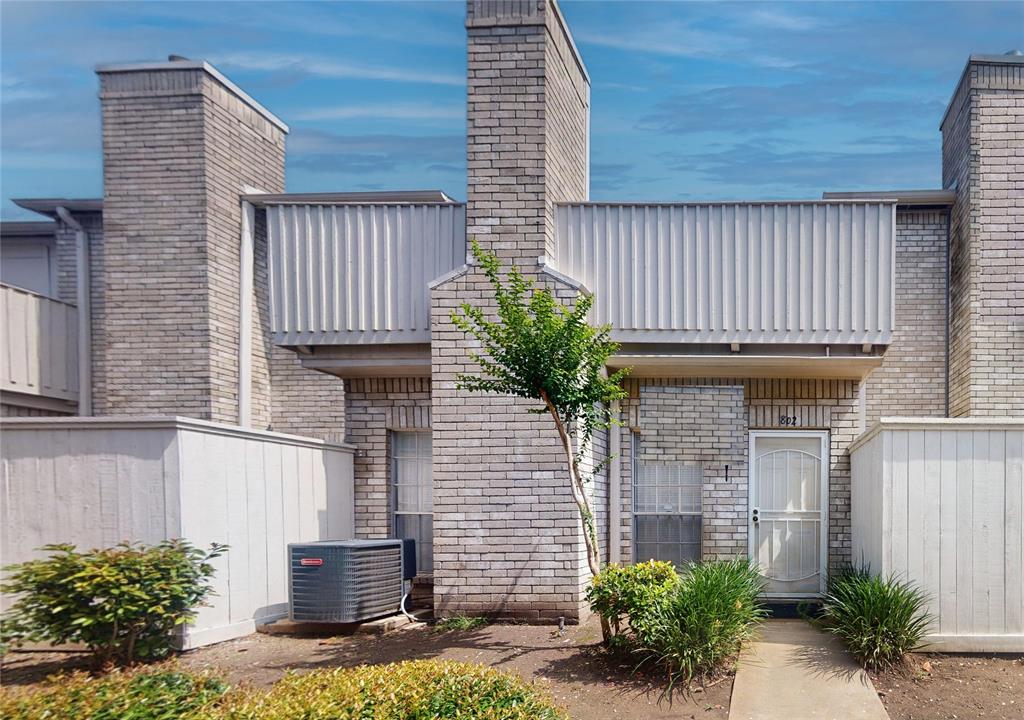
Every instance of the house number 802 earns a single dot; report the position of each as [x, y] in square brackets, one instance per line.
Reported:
[788, 420]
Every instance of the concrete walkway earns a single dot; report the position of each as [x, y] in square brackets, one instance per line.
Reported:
[796, 672]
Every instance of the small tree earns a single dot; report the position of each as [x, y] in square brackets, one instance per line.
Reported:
[540, 349]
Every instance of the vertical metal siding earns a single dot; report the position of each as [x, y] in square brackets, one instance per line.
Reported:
[815, 272]
[358, 273]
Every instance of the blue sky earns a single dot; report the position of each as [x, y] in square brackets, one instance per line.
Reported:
[691, 100]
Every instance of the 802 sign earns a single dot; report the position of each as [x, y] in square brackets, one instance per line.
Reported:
[789, 420]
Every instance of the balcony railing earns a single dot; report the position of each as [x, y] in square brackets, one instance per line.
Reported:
[359, 274]
[39, 353]
[783, 273]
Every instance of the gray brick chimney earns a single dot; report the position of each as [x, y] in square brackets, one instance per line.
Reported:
[507, 536]
[528, 107]
[180, 143]
[983, 160]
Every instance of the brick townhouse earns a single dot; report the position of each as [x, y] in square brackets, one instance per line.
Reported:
[763, 337]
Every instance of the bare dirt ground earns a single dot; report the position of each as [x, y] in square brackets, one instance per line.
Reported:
[573, 669]
[942, 687]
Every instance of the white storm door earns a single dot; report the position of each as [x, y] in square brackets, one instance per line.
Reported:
[788, 523]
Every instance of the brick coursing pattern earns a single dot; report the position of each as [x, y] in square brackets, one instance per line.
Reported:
[912, 378]
[67, 264]
[982, 157]
[704, 426]
[508, 538]
[818, 404]
[177, 149]
[373, 408]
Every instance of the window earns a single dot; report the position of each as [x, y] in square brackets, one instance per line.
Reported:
[666, 511]
[413, 493]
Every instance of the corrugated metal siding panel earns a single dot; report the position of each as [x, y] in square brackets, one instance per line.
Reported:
[817, 272]
[342, 274]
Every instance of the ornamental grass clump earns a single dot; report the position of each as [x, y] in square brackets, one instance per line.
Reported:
[412, 690]
[879, 619]
[700, 624]
[152, 693]
[124, 603]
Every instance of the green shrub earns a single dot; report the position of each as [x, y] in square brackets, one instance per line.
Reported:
[123, 603]
[461, 622]
[412, 690]
[621, 591]
[701, 623]
[149, 694]
[879, 619]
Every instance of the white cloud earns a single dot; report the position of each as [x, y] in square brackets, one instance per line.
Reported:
[395, 111]
[781, 20]
[325, 67]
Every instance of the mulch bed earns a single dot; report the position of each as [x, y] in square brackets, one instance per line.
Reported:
[941, 687]
[576, 672]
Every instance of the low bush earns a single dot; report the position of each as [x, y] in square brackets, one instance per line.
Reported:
[148, 694]
[621, 591]
[413, 690]
[700, 623]
[123, 603]
[879, 619]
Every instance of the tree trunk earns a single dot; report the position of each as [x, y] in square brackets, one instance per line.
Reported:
[580, 496]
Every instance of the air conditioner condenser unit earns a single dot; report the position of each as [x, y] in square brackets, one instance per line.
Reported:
[348, 581]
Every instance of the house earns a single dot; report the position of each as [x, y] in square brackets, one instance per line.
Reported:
[764, 337]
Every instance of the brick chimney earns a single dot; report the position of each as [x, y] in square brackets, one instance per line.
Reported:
[983, 161]
[180, 144]
[528, 114]
[507, 536]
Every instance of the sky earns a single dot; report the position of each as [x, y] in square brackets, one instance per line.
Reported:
[690, 100]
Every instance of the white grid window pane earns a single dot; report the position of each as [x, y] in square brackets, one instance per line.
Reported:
[413, 493]
[667, 511]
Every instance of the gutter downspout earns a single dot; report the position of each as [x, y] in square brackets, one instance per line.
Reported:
[84, 303]
[615, 488]
[245, 290]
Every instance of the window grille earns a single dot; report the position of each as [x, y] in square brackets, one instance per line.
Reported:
[666, 511]
[413, 493]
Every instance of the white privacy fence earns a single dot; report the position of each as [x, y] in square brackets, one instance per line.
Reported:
[97, 481]
[941, 503]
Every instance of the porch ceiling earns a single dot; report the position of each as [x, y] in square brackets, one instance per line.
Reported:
[647, 365]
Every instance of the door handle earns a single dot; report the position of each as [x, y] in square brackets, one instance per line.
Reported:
[754, 516]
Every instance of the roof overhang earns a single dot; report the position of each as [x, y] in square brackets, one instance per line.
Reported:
[48, 206]
[383, 197]
[903, 198]
[819, 367]
[360, 361]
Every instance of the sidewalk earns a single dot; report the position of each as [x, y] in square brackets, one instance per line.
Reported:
[796, 672]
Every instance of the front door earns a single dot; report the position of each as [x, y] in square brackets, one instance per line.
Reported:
[788, 528]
